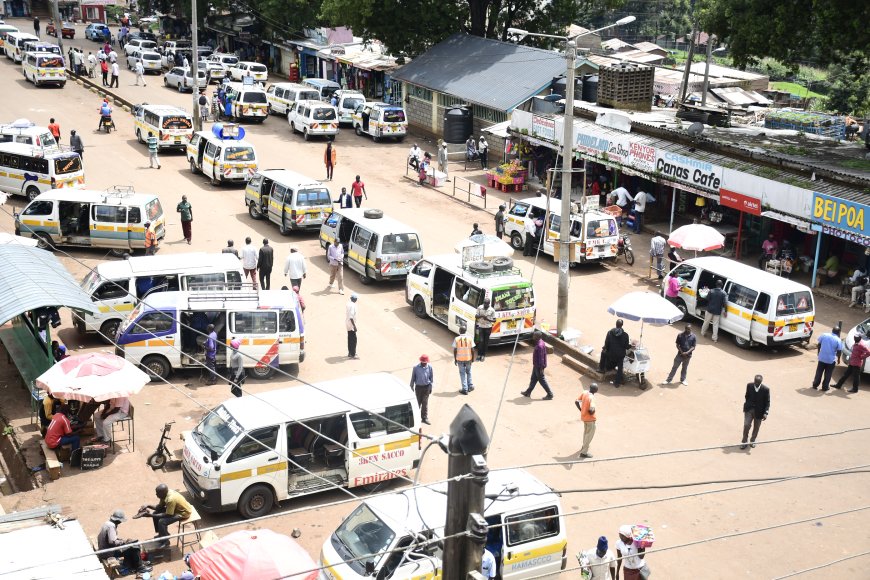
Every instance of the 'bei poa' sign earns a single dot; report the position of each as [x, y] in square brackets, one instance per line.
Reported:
[839, 213]
[744, 203]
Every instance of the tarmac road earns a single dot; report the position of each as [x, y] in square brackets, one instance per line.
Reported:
[705, 413]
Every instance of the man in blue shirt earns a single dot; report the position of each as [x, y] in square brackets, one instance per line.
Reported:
[422, 381]
[686, 343]
[211, 354]
[830, 347]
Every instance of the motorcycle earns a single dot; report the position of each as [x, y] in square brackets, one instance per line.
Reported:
[107, 123]
[623, 248]
[159, 458]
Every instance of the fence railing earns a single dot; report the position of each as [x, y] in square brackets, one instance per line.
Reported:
[466, 188]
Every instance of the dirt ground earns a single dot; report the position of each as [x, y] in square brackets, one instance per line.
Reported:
[631, 421]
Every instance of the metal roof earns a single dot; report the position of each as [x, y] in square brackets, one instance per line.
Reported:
[32, 278]
[495, 74]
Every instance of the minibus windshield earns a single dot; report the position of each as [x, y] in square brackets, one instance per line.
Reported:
[512, 297]
[362, 533]
[217, 431]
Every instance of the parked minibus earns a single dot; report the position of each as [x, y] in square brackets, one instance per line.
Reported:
[30, 170]
[172, 126]
[289, 199]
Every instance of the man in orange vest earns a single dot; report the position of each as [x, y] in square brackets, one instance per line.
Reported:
[463, 356]
[586, 403]
[150, 240]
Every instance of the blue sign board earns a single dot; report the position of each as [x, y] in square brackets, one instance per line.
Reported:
[842, 214]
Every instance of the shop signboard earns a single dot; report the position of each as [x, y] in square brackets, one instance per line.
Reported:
[642, 156]
[544, 128]
[614, 147]
[842, 214]
[684, 169]
[744, 203]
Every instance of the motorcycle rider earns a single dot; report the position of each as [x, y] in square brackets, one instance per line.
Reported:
[105, 113]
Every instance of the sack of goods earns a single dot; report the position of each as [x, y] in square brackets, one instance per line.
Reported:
[642, 535]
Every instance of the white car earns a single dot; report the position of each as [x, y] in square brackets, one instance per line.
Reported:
[255, 69]
[849, 340]
[216, 71]
[181, 79]
[151, 61]
[140, 44]
[226, 59]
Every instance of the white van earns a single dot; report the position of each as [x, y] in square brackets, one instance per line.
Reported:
[289, 199]
[594, 233]
[113, 219]
[5, 30]
[390, 536]
[375, 246]
[282, 95]
[222, 154]
[116, 287]
[27, 132]
[313, 118]
[250, 102]
[348, 101]
[44, 68]
[255, 70]
[442, 288]
[172, 126]
[167, 331]
[228, 61]
[254, 451]
[14, 45]
[29, 170]
[324, 88]
[380, 120]
[762, 308]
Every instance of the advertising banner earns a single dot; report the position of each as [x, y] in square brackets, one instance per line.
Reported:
[739, 201]
[849, 216]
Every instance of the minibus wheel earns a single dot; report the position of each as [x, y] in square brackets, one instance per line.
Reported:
[742, 342]
[681, 306]
[256, 501]
[32, 192]
[157, 367]
[43, 241]
[262, 372]
[108, 331]
[516, 241]
[420, 306]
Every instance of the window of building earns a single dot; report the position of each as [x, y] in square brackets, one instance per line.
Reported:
[419, 93]
[487, 114]
[449, 100]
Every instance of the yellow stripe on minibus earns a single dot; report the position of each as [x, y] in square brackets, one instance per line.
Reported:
[401, 444]
[281, 466]
[234, 475]
[518, 556]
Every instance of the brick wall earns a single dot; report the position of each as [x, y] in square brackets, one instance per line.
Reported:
[419, 114]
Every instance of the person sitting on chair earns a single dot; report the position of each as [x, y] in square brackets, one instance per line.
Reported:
[171, 508]
[768, 251]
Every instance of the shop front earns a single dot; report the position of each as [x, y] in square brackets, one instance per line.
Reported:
[843, 239]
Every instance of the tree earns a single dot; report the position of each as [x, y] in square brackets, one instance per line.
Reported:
[849, 86]
[790, 31]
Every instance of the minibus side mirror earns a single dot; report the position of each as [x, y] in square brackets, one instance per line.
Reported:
[213, 454]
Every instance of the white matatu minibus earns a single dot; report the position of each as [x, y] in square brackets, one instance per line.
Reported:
[256, 450]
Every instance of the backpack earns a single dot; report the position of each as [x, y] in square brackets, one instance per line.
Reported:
[202, 100]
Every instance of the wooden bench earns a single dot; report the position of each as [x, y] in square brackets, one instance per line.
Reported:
[193, 524]
[111, 565]
[52, 464]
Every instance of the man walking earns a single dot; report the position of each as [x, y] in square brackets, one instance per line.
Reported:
[717, 305]
[422, 381]
[140, 73]
[36, 25]
[152, 151]
[499, 221]
[150, 240]
[484, 320]
[830, 348]
[329, 159]
[76, 144]
[463, 357]
[345, 200]
[856, 362]
[335, 256]
[116, 71]
[186, 211]
[249, 262]
[295, 268]
[54, 129]
[539, 365]
[211, 345]
[442, 160]
[265, 261]
[358, 188]
[686, 342]
[350, 324]
[756, 406]
[616, 344]
[586, 404]
[657, 252]
[600, 562]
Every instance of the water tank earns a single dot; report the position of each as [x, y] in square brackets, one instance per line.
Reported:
[590, 88]
[458, 124]
[558, 87]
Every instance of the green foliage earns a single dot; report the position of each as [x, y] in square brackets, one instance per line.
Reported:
[849, 86]
[795, 89]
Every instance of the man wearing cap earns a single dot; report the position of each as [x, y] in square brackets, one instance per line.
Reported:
[600, 562]
[350, 324]
[422, 381]
[150, 240]
[586, 404]
[463, 357]
[629, 554]
[108, 538]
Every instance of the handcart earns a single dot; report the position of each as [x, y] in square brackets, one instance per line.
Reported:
[637, 362]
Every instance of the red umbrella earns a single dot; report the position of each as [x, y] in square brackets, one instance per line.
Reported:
[697, 237]
[253, 555]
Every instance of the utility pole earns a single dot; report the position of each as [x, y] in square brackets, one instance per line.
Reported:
[55, 14]
[685, 86]
[194, 66]
[707, 70]
[465, 498]
[567, 161]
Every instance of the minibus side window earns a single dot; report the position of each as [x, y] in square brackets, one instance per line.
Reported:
[39, 208]
[520, 210]
[256, 442]
[685, 272]
[112, 290]
[394, 419]
[286, 321]
[152, 322]
[468, 293]
[423, 268]
[110, 213]
[763, 303]
[742, 296]
[253, 322]
[234, 280]
[526, 527]
[134, 215]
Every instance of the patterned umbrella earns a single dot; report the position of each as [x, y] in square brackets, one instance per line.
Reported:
[697, 237]
[97, 376]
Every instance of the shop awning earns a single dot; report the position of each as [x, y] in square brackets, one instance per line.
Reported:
[802, 225]
[32, 278]
[499, 129]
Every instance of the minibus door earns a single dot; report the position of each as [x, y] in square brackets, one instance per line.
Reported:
[109, 227]
[358, 249]
[741, 311]
[535, 543]
[463, 305]
[255, 459]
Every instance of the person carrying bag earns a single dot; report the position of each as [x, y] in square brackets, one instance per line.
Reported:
[237, 369]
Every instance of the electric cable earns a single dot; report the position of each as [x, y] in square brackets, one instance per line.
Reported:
[825, 565]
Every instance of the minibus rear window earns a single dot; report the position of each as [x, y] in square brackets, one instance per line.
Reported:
[794, 303]
[50, 62]
[400, 243]
[324, 114]
[312, 197]
[153, 209]
[512, 297]
[254, 97]
[600, 228]
[177, 122]
[64, 165]
[240, 154]
[394, 116]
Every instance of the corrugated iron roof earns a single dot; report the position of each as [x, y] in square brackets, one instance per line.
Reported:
[487, 72]
[32, 278]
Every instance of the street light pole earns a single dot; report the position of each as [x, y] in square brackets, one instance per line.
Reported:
[567, 162]
[194, 66]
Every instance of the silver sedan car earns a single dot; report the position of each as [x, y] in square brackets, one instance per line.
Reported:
[181, 79]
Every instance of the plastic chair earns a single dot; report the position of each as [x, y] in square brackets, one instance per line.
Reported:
[125, 427]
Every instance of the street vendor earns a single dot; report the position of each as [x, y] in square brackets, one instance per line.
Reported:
[629, 555]
[60, 431]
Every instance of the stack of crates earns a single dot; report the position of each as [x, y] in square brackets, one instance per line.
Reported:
[626, 86]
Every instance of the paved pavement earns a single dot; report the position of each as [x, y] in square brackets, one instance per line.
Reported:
[706, 413]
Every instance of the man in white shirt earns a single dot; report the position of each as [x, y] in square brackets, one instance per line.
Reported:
[350, 324]
[250, 256]
[639, 208]
[531, 231]
[487, 565]
[140, 75]
[335, 256]
[414, 157]
[657, 253]
[113, 56]
[600, 562]
[92, 64]
[623, 199]
[116, 72]
[114, 410]
[294, 268]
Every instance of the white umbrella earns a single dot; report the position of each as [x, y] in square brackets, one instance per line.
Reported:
[98, 376]
[646, 307]
[697, 237]
[493, 246]
[7, 238]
